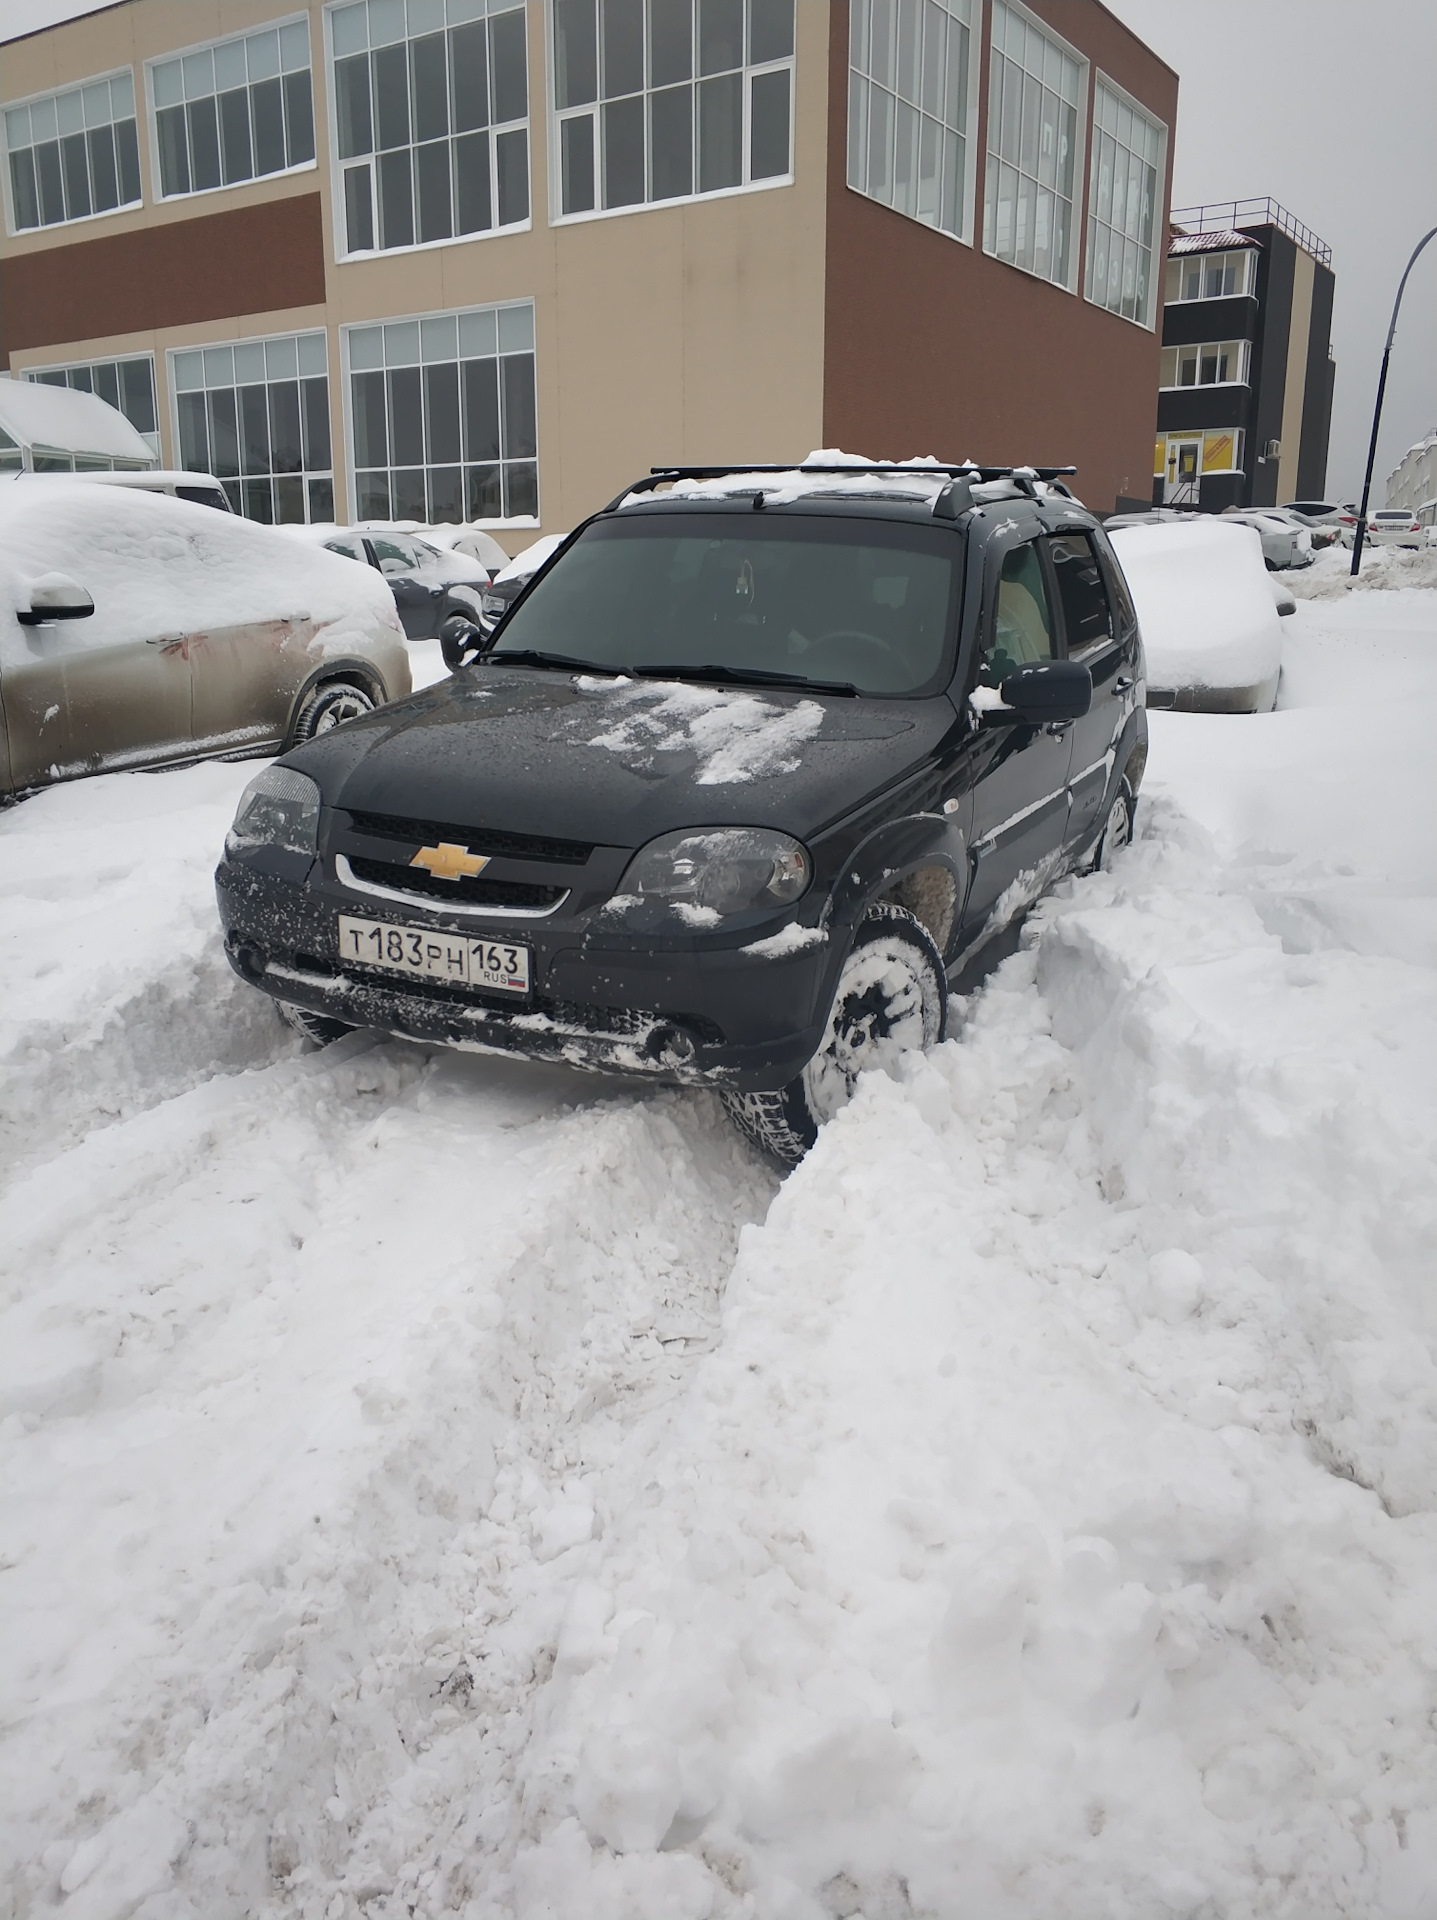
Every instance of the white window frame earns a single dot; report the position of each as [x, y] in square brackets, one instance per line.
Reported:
[555, 116]
[1184, 260]
[37, 372]
[255, 340]
[15, 231]
[520, 521]
[1199, 347]
[339, 235]
[163, 199]
[1156, 246]
[965, 235]
[1080, 157]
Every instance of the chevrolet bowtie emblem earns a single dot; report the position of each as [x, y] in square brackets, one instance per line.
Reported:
[448, 862]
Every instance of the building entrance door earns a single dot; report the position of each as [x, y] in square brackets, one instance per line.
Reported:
[1184, 461]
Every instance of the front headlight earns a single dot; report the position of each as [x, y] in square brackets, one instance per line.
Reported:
[707, 873]
[279, 808]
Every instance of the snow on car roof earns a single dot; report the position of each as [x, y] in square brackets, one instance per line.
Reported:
[35, 414]
[151, 562]
[869, 480]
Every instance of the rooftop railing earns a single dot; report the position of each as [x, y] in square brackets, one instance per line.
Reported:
[1222, 216]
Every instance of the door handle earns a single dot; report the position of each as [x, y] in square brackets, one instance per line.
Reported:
[1123, 683]
[1057, 728]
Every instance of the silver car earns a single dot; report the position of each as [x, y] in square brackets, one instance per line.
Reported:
[136, 630]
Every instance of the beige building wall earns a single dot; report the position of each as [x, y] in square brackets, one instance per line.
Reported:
[1295, 388]
[689, 333]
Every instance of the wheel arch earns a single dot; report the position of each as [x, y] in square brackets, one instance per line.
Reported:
[340, 667]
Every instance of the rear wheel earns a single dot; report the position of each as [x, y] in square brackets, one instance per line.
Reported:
[330, 706]
[892, 999]
[316, 1027]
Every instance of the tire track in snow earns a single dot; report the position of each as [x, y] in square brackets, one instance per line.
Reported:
[319, 1364]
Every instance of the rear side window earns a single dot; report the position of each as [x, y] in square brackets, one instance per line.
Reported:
[395, 556]
[1022, 619]
[203, 497]
[351, 548]
[1082, 592]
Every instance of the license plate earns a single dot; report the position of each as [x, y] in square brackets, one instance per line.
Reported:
[461, 959]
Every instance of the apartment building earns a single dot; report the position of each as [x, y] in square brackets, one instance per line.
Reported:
[1245, 404]
[489, 259]
[1413, 481]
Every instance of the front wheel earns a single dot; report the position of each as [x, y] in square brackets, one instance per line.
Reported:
[330, 706]
[1117, 828]
[892, 999]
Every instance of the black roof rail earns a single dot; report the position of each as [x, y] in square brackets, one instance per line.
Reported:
[976, 475]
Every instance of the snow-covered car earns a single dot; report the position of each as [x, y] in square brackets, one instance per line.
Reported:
[1322, 518]
[1211, 630]
[473, 541]
[200, 489]
[1395, 527]
[1286, 541]
[430, 584]
[733, 796]
[136, 630]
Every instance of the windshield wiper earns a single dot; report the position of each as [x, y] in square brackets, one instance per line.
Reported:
[742, 677]
[529, 657]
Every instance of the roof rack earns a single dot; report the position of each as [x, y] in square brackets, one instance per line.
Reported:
[974, 474]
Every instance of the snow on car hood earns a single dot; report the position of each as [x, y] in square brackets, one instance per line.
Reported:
[1203, 601]
[153, 564]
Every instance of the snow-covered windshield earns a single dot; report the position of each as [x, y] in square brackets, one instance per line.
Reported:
[866, 605]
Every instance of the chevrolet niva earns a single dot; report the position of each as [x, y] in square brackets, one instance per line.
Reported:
[738, 785]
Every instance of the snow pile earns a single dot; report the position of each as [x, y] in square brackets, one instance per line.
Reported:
[1390, 569]
[736, 736]
[449, 1486]
[1204, 605]
[153, 564]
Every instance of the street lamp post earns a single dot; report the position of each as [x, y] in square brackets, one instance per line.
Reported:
[1377, 410]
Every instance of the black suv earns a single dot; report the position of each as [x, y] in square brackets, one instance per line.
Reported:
[741, 781]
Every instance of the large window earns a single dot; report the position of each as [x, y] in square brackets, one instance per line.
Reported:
[256, 415]
[1123, 197]
[443, 417]
[128, 386]
[1035, 96]
[908, 107]
[234, 111]
[1210, 276]
[664, 99]
[431, 119]
[1215, 363]
[73, 154]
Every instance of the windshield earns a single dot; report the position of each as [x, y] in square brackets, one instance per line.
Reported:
[865, 605]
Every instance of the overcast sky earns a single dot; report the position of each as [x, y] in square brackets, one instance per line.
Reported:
[1327, 106]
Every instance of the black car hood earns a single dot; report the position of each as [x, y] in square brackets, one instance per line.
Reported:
[619, 761]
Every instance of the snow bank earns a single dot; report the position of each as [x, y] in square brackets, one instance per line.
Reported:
[1204, 604]
[440, 1486]
[154, 564]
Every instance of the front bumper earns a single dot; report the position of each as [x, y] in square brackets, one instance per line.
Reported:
[686, 1011]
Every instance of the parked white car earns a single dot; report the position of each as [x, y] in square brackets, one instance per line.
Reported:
[138, 630]
[1286, 542]
[1395, 527]
[200, 489]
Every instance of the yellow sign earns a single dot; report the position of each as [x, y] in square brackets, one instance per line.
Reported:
[1160, 454]
[1217, 453]
[448, 862]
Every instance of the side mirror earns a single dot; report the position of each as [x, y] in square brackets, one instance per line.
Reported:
[1038, 692]
[55, 596]
[461, 641]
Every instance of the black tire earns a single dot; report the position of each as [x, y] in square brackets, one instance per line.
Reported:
[330, 706]
[892, 997]
[315, 1027]
[1117, 828]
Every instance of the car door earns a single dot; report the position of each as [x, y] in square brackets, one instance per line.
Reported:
[416, 599]
[1091, 634]
[81, 696]
[1020, 792]
[247, 676]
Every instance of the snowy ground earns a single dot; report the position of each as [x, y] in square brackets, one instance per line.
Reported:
[438, 1485]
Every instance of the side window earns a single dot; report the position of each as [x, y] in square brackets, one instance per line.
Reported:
[350, 547]
[1127, 615]
[1082, 592]
[395, 556]
[1022, 621]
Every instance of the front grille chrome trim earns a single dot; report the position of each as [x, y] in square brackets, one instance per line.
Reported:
[426, 903]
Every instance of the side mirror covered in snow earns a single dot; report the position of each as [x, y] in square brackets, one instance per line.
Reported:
[55, 596]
